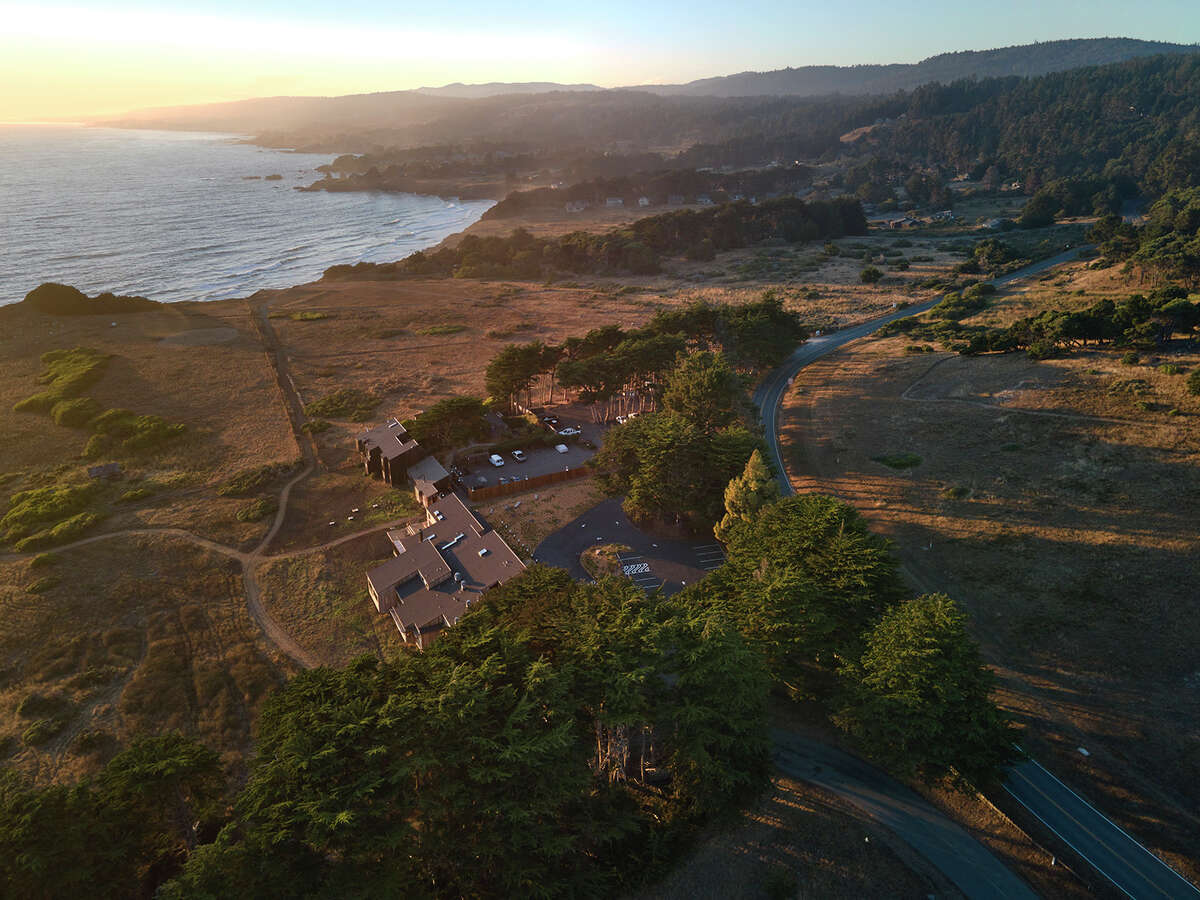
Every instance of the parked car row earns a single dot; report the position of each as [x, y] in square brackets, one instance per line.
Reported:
[497, 460]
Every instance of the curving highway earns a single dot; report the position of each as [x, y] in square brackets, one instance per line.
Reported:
[1115, 855]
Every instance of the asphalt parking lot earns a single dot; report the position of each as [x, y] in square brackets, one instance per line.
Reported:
[540, 461]
[651, 562]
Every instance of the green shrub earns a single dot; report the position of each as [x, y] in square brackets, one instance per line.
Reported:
[122, 431]
[870, 275]
[1170, 369]
[96, 446]
[434, 330]
[309, 315]
[250, 481]
[347, 403]
[42, 560]
[62, 533]
[1042, 350]
[257, 509]
[75, 413]
[66, 374]
[1193, 382]
[43, 584]
[904, 460]
[1130, 358]
[94, 677]
[135, 494]
[315, 426]
[956, 492]
[37, 507]
[43, 731]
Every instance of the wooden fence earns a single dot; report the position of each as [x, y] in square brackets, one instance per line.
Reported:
[526, 484]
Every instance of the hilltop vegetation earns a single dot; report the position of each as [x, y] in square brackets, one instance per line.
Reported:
[638, 248]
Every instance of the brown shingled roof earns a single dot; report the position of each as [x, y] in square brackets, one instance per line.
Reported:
[456, 558]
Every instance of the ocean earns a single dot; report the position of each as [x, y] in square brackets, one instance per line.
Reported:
[181, 216]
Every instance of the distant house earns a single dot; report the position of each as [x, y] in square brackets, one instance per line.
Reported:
[704, 200]
[574, 206]
[614, 202]
[737, 197]
[675, 200]
[944, 215]
[643, 201]
[439, 569]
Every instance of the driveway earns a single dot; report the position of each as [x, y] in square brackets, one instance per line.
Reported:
[651, 562]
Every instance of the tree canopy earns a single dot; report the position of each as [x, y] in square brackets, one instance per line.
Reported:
[918, 699]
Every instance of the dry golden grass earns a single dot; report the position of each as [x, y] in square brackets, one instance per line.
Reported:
[321, 599]
[330, 497]
[375, 334]
[140, 636]
[1061, 514]
[224, 392]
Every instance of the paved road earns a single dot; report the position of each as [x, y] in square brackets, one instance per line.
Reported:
[1119, 858]
[947, 845]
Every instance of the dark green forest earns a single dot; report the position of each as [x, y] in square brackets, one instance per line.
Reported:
[638, 248]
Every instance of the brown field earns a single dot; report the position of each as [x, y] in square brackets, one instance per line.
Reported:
[1056, 500]
[199, 366]
[139, 635]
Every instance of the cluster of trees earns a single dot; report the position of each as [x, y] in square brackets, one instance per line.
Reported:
[638, 248]
[819, 597]
[675, 464]
[618, 370]
[1167, 247]
[1119, 126]
[657, 186]
[1078, 196]
[117, 835]
[1139, 322]
[875, 178]
[561, 740]
[452, 422]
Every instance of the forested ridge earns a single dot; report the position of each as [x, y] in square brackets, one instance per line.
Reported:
[637, 248]
[1136, 122]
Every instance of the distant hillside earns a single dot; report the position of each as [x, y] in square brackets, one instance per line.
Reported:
[494, 88]
[351, 112]
[1026, 60]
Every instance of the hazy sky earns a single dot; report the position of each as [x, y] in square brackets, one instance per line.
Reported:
[64, 60]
